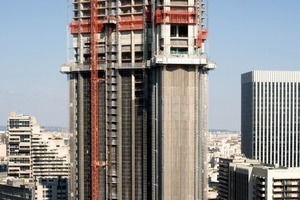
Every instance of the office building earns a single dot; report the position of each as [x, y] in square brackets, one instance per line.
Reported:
[138, 99]
[270, 117]
[247, 179]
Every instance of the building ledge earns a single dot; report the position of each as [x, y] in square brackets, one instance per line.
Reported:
[183, 60]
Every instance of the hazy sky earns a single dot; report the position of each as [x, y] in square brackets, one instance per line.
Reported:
[243, 36]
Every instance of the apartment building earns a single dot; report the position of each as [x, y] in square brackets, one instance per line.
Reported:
[38, 157]
[19, 145]
[50, 166]
[248, 179]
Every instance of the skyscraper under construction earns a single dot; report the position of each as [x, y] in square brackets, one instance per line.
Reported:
[138, 99]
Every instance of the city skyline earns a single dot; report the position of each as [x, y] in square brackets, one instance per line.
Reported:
[243, 36]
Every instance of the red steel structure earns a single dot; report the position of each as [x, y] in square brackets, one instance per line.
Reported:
[94, 103]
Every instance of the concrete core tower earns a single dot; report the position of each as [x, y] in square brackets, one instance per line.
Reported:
[152, 102]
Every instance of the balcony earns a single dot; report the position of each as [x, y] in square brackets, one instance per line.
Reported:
[277, 184]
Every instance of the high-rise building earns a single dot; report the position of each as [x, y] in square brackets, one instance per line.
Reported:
[271, 117]
[150, 113]
[19, 145]
[38, 157]
[248, 179]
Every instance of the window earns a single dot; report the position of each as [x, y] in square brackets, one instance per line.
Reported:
[179, 51]
[179, 31]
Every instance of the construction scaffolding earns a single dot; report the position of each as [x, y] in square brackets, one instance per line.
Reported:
[178, 16]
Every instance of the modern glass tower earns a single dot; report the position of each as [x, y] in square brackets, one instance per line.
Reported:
[271, 117]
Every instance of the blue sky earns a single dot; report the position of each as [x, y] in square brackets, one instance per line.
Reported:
[33, 46]
[243, 36]
[246, 36]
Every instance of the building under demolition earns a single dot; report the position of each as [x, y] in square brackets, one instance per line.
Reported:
[138, 99]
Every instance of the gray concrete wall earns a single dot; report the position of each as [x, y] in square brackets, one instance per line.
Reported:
[178, 127]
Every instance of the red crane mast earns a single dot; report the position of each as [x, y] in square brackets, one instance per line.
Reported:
[94, 103]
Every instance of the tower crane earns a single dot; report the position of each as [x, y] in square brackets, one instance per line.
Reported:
[94, 104]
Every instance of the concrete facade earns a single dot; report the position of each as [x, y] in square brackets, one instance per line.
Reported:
[181, 149]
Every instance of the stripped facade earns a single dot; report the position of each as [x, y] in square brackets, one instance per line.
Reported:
[152, 90]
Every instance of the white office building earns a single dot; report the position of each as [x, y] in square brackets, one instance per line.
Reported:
[270, 117]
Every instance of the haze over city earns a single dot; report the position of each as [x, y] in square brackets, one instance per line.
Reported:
[243, 36]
